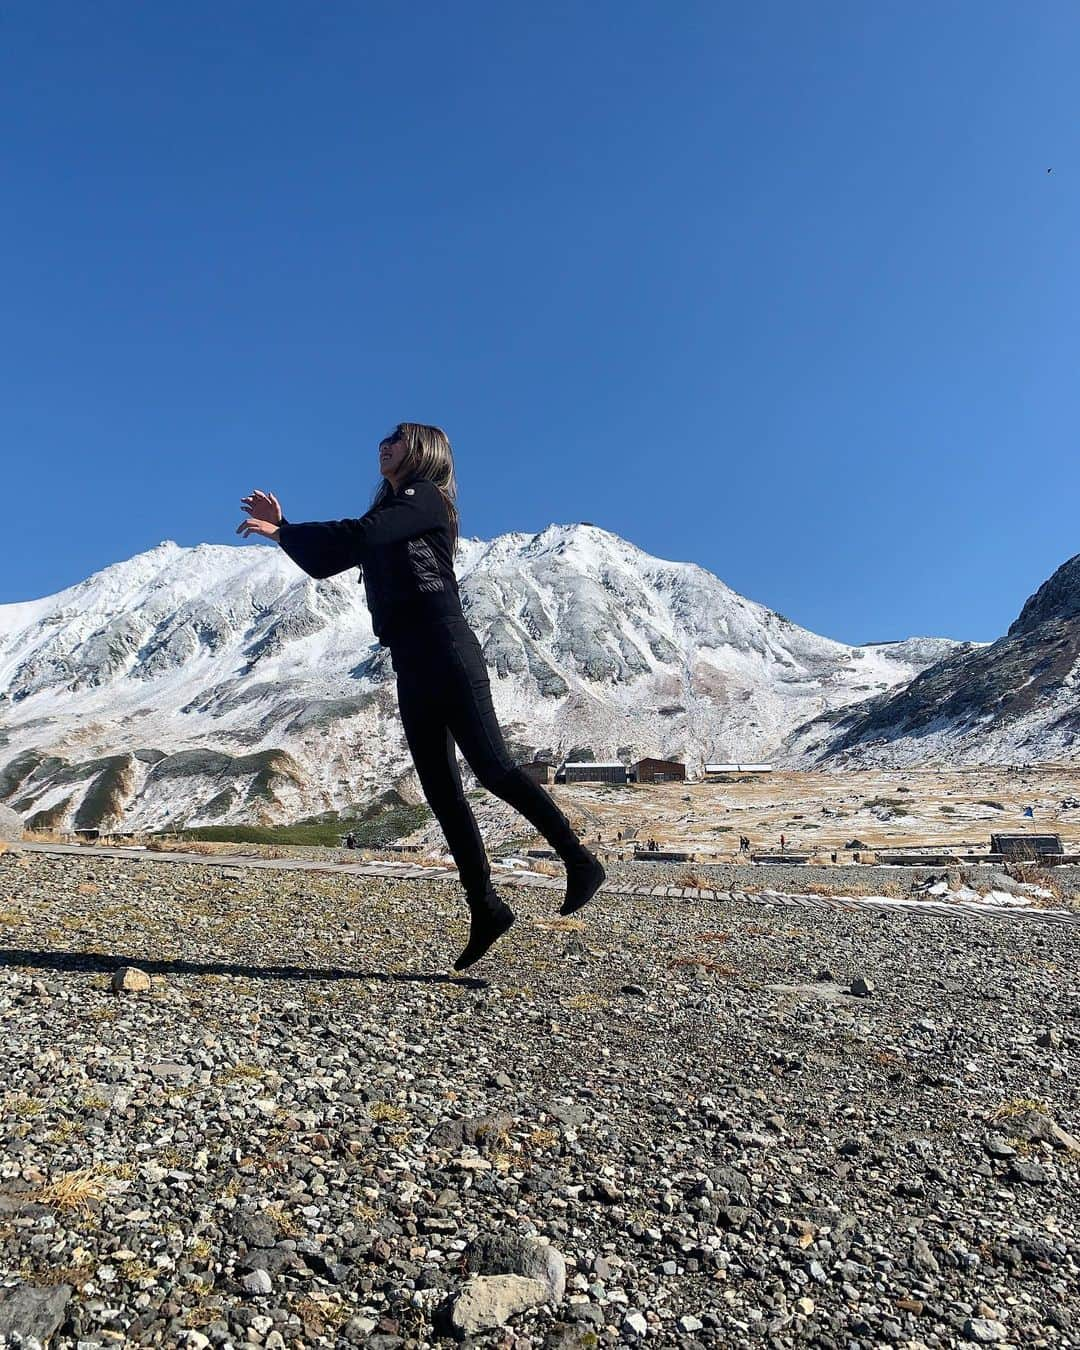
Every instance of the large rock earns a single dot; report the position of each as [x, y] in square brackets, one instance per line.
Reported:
[510, 1254]
[451, 1134]
[130, 980]
[11, 826]
[487, 1301]
[33, 1313]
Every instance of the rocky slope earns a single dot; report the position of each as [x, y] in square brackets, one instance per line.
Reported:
[1013, 701]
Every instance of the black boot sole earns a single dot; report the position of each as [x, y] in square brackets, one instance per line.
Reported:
[577, 897]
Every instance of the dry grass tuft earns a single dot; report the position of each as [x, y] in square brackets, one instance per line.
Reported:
[585, 1001]
[561, 924]
[694, 878]
[288, 1226]
[238, 1073]
[387, 1112]
[22, 1107]
[76, 1190]
[321, 1314]
[201, 846]
[1020, 1106]
[541, 1138]
[706, 963]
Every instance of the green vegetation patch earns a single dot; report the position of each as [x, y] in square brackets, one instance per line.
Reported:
[320, 831]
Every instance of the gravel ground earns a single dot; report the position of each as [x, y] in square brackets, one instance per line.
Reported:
[853, 879]
[682, 1123]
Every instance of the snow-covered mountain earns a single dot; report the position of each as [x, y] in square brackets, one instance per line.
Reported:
[219, 683]
[1008, 702]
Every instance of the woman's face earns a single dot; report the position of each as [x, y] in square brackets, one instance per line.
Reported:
[392, 452]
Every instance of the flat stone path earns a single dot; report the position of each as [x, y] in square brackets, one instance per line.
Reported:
[521, 877]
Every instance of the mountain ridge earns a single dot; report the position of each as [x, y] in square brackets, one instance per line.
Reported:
[228, 650]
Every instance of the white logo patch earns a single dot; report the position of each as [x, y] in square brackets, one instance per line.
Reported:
[409, 492]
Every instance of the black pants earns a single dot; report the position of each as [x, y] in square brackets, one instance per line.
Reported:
[444, 696]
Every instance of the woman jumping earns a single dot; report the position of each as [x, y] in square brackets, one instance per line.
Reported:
[405, 547]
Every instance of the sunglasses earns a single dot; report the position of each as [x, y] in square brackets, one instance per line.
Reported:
[392, 439]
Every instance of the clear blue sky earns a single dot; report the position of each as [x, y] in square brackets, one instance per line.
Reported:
[782, 289]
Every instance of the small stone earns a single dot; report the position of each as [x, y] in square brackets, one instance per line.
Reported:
[634, 1325]
[258, 1282]
[861, 987]
[805, 1305]
[985, 1330]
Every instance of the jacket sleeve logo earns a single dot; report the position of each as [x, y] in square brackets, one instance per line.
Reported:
[409, 492]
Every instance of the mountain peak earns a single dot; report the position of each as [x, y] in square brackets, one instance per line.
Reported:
[189, 663]
[1057, 598]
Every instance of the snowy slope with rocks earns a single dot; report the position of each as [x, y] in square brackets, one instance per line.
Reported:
[1012, 701]
[219, 683]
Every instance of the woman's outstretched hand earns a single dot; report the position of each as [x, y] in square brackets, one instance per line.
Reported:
[264, 515]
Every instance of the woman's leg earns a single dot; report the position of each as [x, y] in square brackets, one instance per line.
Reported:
[435, 758]
[436, 764]
[470, 715]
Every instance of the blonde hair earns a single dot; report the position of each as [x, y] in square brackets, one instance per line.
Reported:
[427, 454]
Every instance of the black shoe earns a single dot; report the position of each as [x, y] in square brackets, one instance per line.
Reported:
[489, 918]
[583, 880]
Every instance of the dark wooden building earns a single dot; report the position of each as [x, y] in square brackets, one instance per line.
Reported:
[658, 771]
[1025, 846]
[591, 771]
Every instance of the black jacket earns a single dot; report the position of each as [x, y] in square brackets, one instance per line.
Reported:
[403, 547]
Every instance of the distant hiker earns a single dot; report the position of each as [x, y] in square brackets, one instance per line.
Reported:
[744, 843]
[350, 840]
[404, 546]
[783, 843]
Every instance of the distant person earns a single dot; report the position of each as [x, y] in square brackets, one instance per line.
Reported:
[783, 843]
[404, 546]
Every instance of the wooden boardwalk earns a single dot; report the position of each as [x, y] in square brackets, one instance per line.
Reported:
[515, 877]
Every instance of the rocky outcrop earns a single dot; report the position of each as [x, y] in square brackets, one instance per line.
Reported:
[1014, 700]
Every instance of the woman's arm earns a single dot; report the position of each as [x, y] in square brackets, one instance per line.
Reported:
[325, 547]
